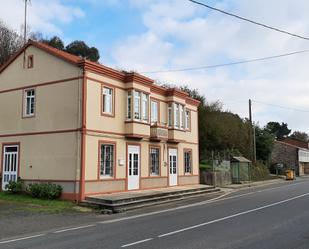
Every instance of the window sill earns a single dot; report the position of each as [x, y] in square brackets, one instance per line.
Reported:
[28, 116]
[111, 115]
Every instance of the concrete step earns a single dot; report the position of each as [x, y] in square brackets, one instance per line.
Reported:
[124, 204]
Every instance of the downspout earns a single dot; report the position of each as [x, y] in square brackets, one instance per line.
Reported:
[83, 137]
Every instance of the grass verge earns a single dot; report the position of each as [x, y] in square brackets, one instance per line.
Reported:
[27, 203]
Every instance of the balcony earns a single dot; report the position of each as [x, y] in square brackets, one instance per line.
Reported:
[137, 129]
[176, 135]
[158, 132]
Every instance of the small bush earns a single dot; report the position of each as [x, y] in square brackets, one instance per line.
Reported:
[14, 187]
[45, 190]
[259, 171]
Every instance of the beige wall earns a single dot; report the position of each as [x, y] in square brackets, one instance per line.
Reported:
[112, 129]
[96, 184]
[46, 68]
[47, 156]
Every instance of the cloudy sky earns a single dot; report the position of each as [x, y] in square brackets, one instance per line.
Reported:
[152, 35]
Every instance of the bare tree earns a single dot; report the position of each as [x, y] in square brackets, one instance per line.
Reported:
[10, 42]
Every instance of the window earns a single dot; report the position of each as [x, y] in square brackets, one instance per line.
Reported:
[106, 160]
[169, 113]
[181, 116]
[188, 120]
[154, 111]
[30, 61]
[29, 102]
[107, 100]
[137, 105]
[129, 105]
[139, 102]
[144, 107]
[154, 161]
[188, 161]
[178, 120]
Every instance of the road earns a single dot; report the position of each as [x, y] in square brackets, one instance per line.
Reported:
[275, 216]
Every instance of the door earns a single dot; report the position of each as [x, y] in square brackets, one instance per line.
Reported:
[172, 154]
[133, 167]
[10, 164]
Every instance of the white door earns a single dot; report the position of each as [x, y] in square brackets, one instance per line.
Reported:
[10, 164]
[133, 167]
[172, 154]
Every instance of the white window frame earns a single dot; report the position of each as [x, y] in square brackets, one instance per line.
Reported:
[145, 107]
[188, 119]
[137, 105]
[107, 95]
[104, 161]
[154, 112]
[170, 115]
[29, 102]
[129, 105]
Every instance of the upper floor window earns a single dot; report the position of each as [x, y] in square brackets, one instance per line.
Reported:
[30, 61]
[138, 103]
[107, 159]
[129, 105]
[145, 107]
[176, 115]
[154, 111]
[29, 102]
[107, 100]
[188, 120]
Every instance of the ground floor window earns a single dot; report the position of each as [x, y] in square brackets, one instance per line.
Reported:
[188, 161]
[154, 161]
[107, 159]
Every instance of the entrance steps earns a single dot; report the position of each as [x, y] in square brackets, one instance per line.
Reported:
[123, 201]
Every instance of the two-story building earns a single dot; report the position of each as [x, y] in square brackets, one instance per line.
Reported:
[90, 128]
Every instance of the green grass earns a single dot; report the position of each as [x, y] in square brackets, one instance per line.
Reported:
[27, 203]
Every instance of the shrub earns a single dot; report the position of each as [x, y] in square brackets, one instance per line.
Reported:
[259, 171]
[14, 187]
[45, 190]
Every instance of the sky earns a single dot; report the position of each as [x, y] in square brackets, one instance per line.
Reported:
[154, 35]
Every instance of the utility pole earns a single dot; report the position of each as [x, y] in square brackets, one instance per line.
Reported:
[252, 135]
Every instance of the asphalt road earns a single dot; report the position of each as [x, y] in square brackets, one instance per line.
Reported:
[276, 216]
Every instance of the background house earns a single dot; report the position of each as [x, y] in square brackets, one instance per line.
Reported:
[293, 154]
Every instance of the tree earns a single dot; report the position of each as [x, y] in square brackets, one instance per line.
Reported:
[219, 131]
[303, 136]
[278, 130]
[264, 143]
[10, 42]
[55, 42]
[80, 48]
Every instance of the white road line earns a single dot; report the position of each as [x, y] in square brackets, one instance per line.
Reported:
[23, 238]
[137, 242]
[74, 228]
[232, 216]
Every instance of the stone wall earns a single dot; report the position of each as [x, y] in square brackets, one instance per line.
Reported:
[285, 154]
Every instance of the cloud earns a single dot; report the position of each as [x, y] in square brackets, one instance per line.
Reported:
[179, 34]
[43, 15]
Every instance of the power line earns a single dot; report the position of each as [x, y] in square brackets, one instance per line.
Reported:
[280, 106]
[251, 21]
[227, 64]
